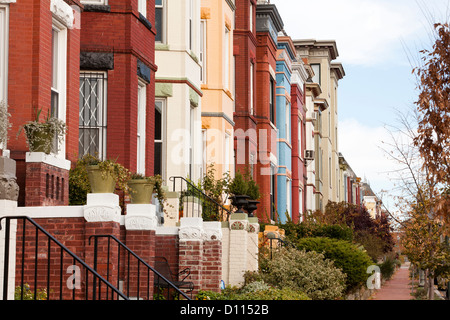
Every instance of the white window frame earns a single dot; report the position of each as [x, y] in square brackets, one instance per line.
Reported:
[226, 60]
[4, 41]
[288, 121]
[252, 91]
[141, 126]
[142, 7]
[288, 197]
[161, 104]
[61, 80]
[203, 48]
[251, 17]
[227, 152]
[102, 111]
[163, 30]
[99, 2]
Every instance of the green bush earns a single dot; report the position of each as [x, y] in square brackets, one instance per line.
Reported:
[296, 231]
[307, 272]
[346, 256]
[266, 293]
[79, 185]
[387, 268]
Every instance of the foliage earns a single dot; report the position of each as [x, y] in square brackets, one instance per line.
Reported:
[387, 268]
[260, 292]
[238, 185]
[296, 231]
[79, 185]
[4, 123]
[373, 244]
[299, 270]
[252, 187]
[352, 260]
[433, 134]
[26, 293]
[44, 132]
[358, 219]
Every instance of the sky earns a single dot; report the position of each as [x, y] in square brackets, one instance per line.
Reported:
[378, 43]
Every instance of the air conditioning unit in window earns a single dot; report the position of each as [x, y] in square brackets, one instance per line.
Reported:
[309, 154]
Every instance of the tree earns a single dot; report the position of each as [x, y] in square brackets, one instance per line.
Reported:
[433, 106]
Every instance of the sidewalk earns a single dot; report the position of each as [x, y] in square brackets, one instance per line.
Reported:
[398, 288]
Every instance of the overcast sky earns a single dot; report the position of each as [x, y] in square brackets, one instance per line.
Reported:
[378, 43]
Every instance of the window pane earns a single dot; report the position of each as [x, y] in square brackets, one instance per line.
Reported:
[159, 24]
[158, 2]
[92, 119]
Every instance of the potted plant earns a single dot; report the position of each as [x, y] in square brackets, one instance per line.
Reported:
[105, 175]
[141, 189]
[254, 195]
[40, 135]
[238, 190]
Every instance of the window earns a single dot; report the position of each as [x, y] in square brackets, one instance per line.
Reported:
[272, 100]
[92, 124]
[191, 26]
[141, 127]
[101, 2]
[272, 192]
[159, 20]
[316, 69]
[252, 98]
[300, 203]
[251, 18]
[300, 129]
[202, 55]
[142, 7]
[227, 152]
[226, 53]
[288, 121]
[191, 141]
[288, 197]
[205, 150]
[160, 114]
[58, 76]
[4, 53]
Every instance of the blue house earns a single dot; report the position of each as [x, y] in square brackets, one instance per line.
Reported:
[285, 57]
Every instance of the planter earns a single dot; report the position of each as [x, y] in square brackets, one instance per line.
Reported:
[239, 201]
[40, 140]
[141, 191]
[251, 206]
[99, 182]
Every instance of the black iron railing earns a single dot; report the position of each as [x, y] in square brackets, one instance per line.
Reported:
[42, 267]
[138, 278]
[193, 201]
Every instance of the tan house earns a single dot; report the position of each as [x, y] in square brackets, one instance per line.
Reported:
[320, 56]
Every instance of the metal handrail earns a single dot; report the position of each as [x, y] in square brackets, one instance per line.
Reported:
[199, 192]
[63, 249]
[140, 260]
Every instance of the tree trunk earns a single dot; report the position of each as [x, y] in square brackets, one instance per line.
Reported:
[430, 277]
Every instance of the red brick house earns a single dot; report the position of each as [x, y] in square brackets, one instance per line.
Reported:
[268, 24]
[245, 44]
[43, 73]
[117, 87]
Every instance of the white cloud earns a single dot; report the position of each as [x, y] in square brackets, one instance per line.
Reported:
[362, 147]
[367, 32]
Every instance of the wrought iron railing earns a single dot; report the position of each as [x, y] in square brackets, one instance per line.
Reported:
[42, 264]
[138, 278]
[194, 202]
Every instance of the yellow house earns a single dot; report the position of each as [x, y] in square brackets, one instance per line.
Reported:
[217, 78]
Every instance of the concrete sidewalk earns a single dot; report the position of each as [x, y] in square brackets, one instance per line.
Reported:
[398, 288]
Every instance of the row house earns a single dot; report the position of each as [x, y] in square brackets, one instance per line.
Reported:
[85, 63]
[179, 54]
[320, 56]
[217, 25]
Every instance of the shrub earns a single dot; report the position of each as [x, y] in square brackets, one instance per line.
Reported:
[295, 231]
[306, 272]
[387, 268]
[266, 293]
[346, 256]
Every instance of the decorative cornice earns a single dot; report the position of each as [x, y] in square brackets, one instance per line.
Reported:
[141, 222]
[63, 12]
